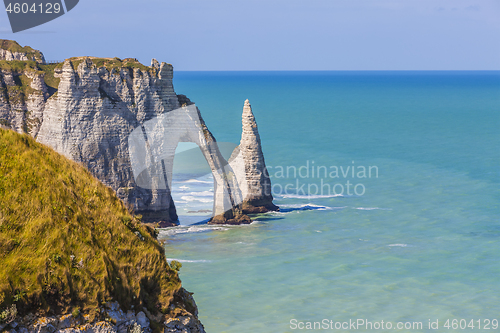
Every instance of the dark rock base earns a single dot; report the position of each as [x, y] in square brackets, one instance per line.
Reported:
[232, 219]
[258, 207]
[160, 219]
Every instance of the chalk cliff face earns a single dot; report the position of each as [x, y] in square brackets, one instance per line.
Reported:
[249, 166]
[9, 56]
[10, 50]
[89, 117]
[92, 107]
[93, 113]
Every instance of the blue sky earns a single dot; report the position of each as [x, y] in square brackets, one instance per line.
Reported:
[278, 34]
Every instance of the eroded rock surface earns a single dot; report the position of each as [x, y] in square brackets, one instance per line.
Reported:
[249, 165]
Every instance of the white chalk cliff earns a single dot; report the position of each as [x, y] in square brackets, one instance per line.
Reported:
[96, 108]
[10, 50]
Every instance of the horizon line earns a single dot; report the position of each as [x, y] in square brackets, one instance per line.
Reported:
[336, 70]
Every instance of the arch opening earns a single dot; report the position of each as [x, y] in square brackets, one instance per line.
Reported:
[153, 147]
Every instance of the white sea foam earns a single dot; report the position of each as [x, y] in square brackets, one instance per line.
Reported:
[371, 208]
[297, 196]
[190, 229]
[398, 245]
[302, 205]
[261, 221]
[275, 213]
[309, 206]
[198, 181]
[186, 260]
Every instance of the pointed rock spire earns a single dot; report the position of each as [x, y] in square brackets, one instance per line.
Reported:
[250, 167]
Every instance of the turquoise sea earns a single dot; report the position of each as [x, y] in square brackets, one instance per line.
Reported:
[422, 242]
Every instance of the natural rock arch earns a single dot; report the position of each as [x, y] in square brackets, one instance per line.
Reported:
[152, 150]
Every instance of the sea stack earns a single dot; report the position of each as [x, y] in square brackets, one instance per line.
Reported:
[249, 166]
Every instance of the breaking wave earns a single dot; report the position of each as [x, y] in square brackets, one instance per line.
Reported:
[190, 229]
[191, 198]
[298, 196]
[309, 206]
[186, 260]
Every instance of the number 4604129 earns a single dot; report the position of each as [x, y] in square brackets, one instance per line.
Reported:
[42, 8]
[484, 324]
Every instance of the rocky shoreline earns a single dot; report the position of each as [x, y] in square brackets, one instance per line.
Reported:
[109, 318]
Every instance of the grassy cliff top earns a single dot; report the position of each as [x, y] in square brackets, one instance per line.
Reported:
[111, 63]
[13, 46]
[52, 80]
[21, 90]
[51, 72]
[19, 65]
[67, 241]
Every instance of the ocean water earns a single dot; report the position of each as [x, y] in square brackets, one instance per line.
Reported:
[418, 239]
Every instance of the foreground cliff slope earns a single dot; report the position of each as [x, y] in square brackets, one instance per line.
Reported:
[67, 242]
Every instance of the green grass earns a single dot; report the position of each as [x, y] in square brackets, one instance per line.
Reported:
[50, 79]
[21, 91]
[18, 65]
[67, 242]
[112, 63]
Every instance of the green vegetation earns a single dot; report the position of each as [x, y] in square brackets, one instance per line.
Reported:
[76, 312]
[50, 80]
[18, 65]
[67, 243]
[176, 266]
[19, 92]
[8, 315]
[112, 63]
[22, 88]
[13, 46]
